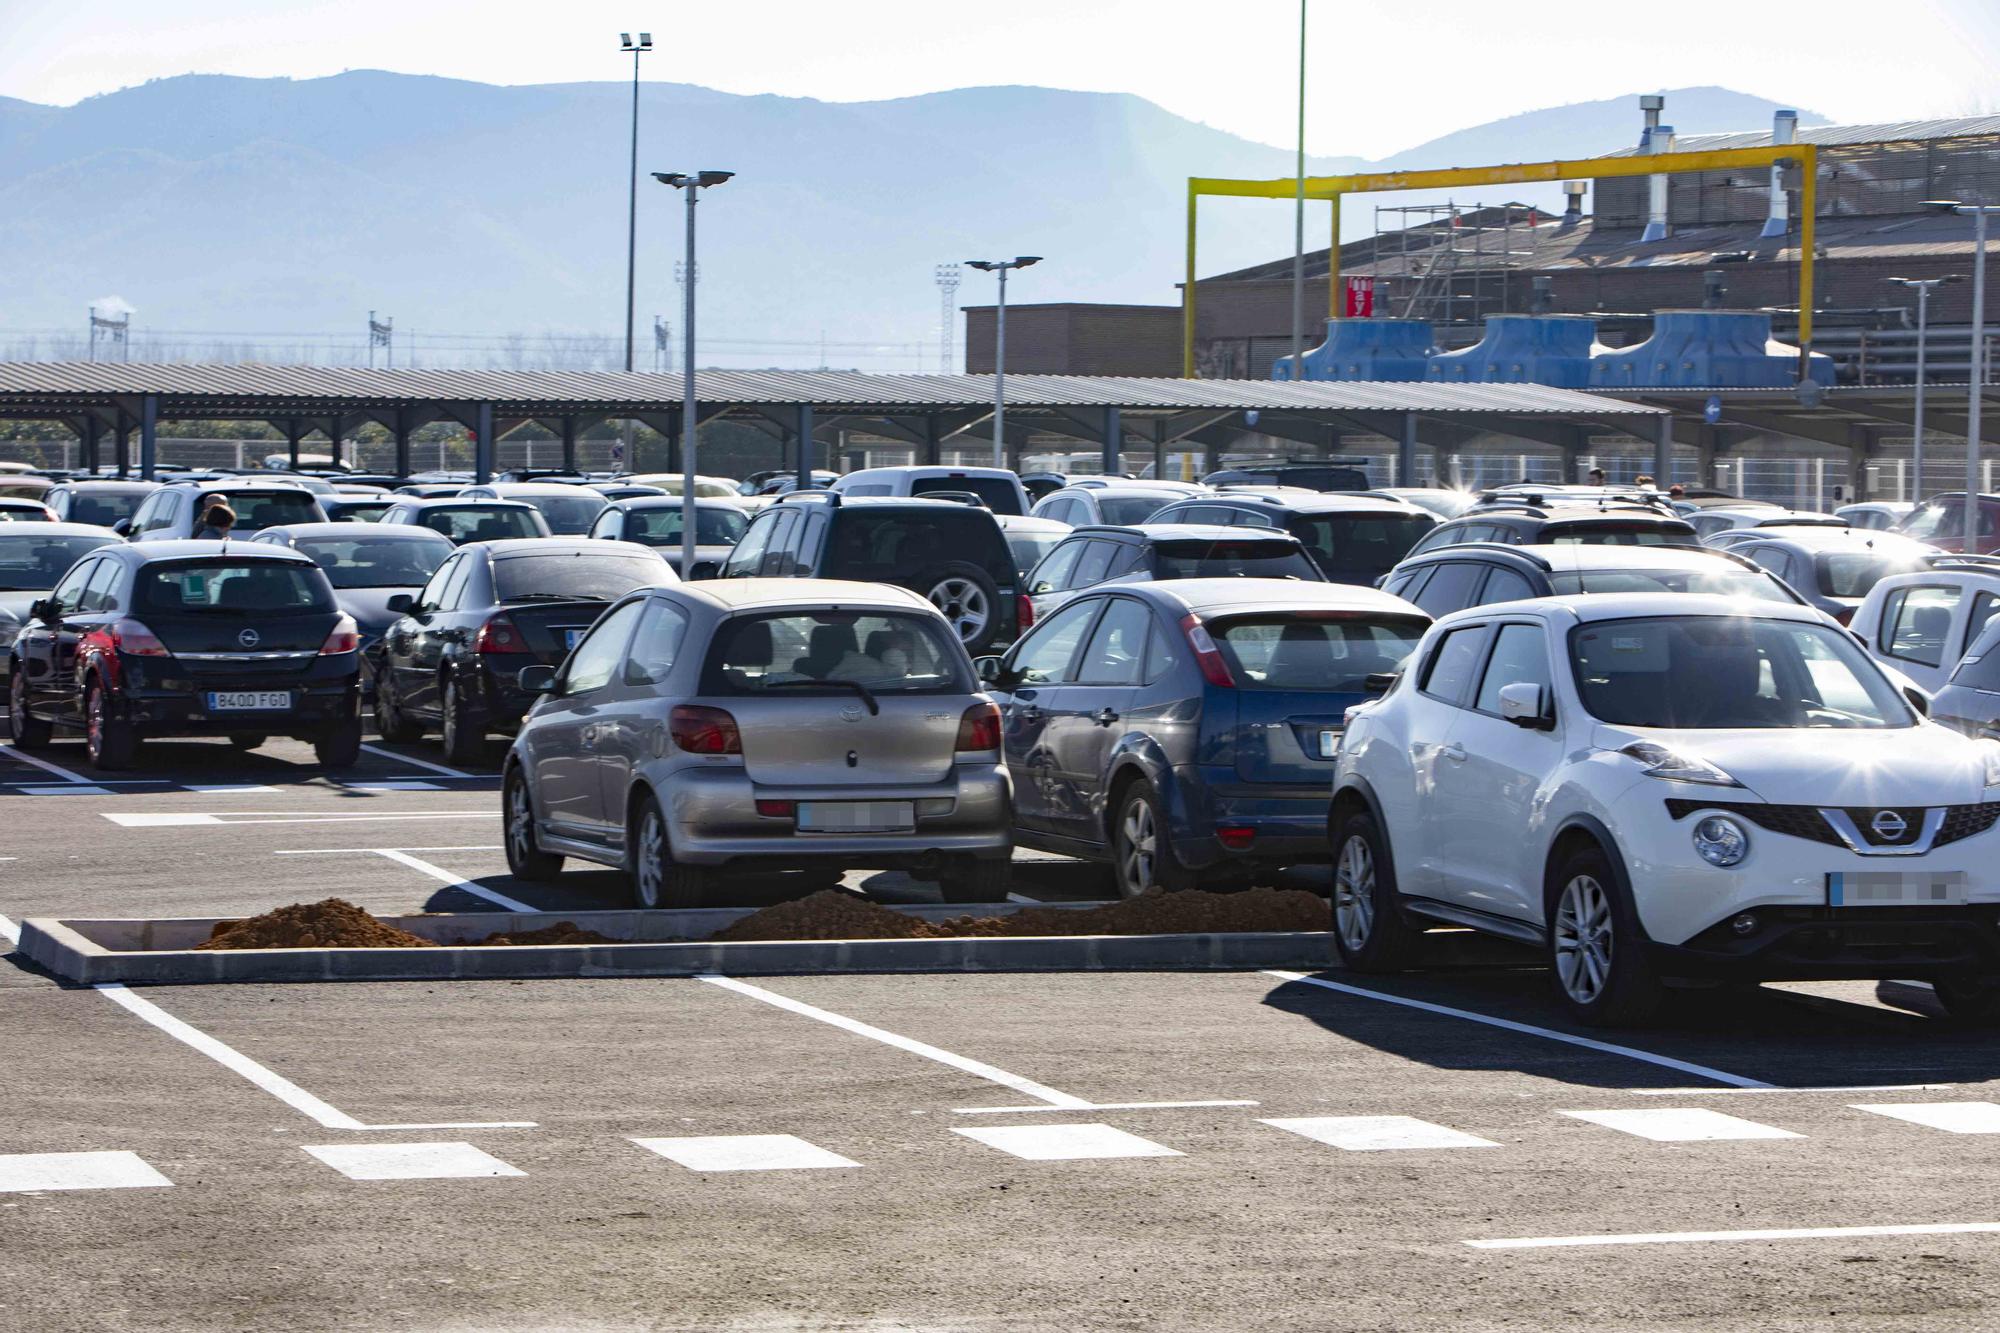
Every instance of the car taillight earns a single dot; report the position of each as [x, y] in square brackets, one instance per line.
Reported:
[700, 730]
[1024, 613]
[1235, 837]
[345, 637]
[1206, 655]
[979, 728]
[777, 809]
[134, 639]
[499, 635]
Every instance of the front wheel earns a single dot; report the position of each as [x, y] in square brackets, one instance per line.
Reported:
[524, 858]
[1142, 850]
[29, 732]
[111, 742]
[1368, 926]
[1603, 976]
[657, 879]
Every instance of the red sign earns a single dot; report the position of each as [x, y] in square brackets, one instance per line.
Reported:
[1360, 298]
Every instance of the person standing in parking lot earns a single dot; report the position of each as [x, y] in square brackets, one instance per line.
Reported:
[216, 522]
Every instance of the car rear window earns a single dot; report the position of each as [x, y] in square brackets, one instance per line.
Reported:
[363, 511]
[799, 652]
[998, 492]
[481, 523]
[1028, 548]
[1723, 582]
[264, 509]
[1845, 574]
[1621, 534]
[662, 526]
[1132, 508]
[1305, 652]
[1359, 546]
[569, 515]
[103, 509]
[224, 587]
[592, 575]
[1225, 559]
[895, 546]
[32, 564]
[388, 561]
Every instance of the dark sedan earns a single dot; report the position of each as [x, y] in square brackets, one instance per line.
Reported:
[450, 662]
[718, 526]
[368, 564]
[33, 559]
[468, 520]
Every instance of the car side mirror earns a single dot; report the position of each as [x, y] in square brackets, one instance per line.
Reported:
[1379, 682]
[992, 670]
[1918, 700]
[537, 679]
[401, 603]
[44, 610]
[123, 527]
[1522, 703]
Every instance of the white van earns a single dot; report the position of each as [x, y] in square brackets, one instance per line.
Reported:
[999, 488]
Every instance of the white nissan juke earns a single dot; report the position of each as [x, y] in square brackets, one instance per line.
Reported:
[1658, 788]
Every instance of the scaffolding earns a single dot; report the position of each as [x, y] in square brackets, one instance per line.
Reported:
[1451, 263]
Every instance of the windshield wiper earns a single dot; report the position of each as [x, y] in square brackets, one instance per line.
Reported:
[553, 597]
[874, 709]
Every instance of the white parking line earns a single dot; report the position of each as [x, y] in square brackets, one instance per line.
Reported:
[67, 789]
[1952, 1117]
[157, 820]
[1677, 1124]
[1378, 1133]
[24, 1172]
[1705, 1237]
[1729, 1092]
[746, 1152]
[410, 1161]
[342, 851]
[444, 876]
[1529, 1029]
[13, 752]
[9, 931]
[1066, 1143]
[423, 763]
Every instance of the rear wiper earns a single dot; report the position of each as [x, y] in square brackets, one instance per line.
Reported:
[552, 597]
[874, 709]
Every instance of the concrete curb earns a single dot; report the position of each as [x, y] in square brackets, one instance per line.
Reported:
[658, 944]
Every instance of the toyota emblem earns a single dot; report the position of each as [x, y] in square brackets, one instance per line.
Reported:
[249, 638]
[851, 713]
[1889, 825]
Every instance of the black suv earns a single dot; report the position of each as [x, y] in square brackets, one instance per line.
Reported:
[175, 509]
[953, 554]
[186, 638]
[105, 503]
[1520, 523]
[1308, 476]
[1480, 573]
[1352, 538]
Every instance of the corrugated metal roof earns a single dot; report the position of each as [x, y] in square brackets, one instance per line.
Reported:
[1902, 131]
[534, 392]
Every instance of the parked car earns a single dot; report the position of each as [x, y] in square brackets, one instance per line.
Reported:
[1001, 489]
[1833, 568]
[1444, 501]
[1940, 521]
[450, 659]
[952, 555]
[1522, 524]
[762, 724]
[1150, 552]
[1482, 573]
[174, 511]
[1029, 539]
[1187, 729]
[33, 559]
[1352, 538]
[620, 490]
[25, 485]
[1082, 506]
[186, 638]
[367, 564]
[431, 490]
[346, 508]
[1654, 788]
[705, 488]
[19, 509]
[1969, 701]
[1306, 476]
[1708, 522]
[103, 503]
[1921, 624]
[469, 520]
[656, 522]
[568, 510]
[1041, 484]
[756, 482]
[1880, 514]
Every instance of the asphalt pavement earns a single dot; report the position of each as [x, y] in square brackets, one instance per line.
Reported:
[1251, 1150]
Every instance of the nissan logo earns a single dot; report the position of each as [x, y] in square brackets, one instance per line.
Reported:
[249, 638]
[1889, 825]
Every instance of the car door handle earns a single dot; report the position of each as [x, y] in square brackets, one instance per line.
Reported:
[1028, 713]
[1454, 752]
[1104, 717]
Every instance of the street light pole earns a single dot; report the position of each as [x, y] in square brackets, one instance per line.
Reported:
[1000, 266]
[1299, 220]
[638, 48]
[692, 183]
[1977, 376]
[1923, 288]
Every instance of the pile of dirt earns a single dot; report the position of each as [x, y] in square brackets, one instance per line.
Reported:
[831, 915]
[330, 924]
[562, 932]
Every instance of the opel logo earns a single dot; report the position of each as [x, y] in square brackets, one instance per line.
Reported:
[851, 713]
[249, 638]
[1889, 825]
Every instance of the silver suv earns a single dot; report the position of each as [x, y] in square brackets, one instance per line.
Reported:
[762, 724]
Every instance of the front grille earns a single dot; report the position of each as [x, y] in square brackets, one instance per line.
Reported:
[1805, 821]
[1798, 821]
[1962, 821]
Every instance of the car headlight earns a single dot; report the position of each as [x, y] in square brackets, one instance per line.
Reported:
[1991, 755]
[1661, 762]
[1721, 841]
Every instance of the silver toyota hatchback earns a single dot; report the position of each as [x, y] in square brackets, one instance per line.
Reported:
[705, 729]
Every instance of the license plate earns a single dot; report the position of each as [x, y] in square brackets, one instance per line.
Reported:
[856, 816]
[1329, 744]
[248, 701]
[570, 637]
[1896, 888]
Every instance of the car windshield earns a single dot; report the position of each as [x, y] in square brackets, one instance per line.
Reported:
[375, 562]
[998, 492]
[103, 508]
[1853, 574]
[884, 652]
[1300, 651]
[1028, 548]
[595, 575]
[363, 511]
[23, 513]
[1225, 559]
[263, 509]
[1359, 546]
[1721, 582]
[902, 544]
[1622, 534]
[234, 588]
[33, 564]
[482, 523]
[662, 526]
[1714, 672]
[569, 515]
[1132, 508]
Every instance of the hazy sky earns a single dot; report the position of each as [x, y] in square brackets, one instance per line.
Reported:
[1385, 75]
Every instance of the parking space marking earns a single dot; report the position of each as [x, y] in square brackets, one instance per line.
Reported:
[746, 1152]
[1681, 1124]
[9, 931]
[233, 789]
[73, 789]
[425, 764]
[14, 752]
[1376, 1133]
[1066, 1143]
[154, 820]
[1727, 1092]
[1099, 1106]
[22, 1173]
[348, 851]
[1528, 1029]
[1705, 1237]
[180, 819]
[410, 784]
[1952, 1117]
[410, 1161]
[444, 876]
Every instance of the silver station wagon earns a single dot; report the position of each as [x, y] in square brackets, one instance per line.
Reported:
[703, 730]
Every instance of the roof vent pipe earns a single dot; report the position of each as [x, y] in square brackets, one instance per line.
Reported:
[1784, 129]
[1659, 139]
[1714, 289]
[1573, 192]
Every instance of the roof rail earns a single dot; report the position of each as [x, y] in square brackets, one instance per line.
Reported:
[1441, 552]
[1944, 559]
[1726, 554]
[830, 498]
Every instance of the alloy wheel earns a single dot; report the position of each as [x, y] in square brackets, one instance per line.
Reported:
[651, 871]
[1141, 846]
[520, 821]
[1583, 939]
[964, 604]
[94, 727]
[17, 702]
[448, 729]
[1354, 893]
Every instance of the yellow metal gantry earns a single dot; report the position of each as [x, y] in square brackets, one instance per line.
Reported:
[1333, 188]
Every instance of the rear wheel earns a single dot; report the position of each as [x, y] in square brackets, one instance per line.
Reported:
[1603, 976]
[524, 858]
[110, 741]
[339, 746]
[29, 732]
[1142, 852]
[464, 742]
[1368, 926]
[657, 879]
[969, 599]
[978, 882]
[390, 723]
[1973, 1003]
[247, 742]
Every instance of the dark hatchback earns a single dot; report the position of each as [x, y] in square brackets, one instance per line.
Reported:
[188, 638]
[368, 565]
[450, 661]
[1352, 538]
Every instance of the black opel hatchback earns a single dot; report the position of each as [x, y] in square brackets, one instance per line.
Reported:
[188, 638]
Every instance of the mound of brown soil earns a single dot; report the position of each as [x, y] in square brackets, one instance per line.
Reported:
[562, 932]
[830, 915]
[330, 924]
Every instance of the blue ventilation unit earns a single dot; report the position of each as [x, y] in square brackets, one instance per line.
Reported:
[1365, 349]
[1706, 349]
[1524, 349]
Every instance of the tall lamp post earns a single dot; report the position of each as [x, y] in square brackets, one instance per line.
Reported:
[638, 48]
[1299, 220]
[1978, 213]
[692, 184]
[1001, 266]
[1923, 287]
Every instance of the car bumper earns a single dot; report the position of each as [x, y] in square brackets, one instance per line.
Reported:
[1842, 944]
[317, 704]
[1286, 822]
[712, 819]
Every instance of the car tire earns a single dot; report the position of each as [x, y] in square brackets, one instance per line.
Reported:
[464, 742]
[390, 724]
[339, 746]
[247, 743]
[1369, 929]
[978, 882]
[659, 881]
[1142, 850]
[524, 858]
[29, 732]
[1970, 1003]
[1597, 953]
[110, 742]
[967, 597]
